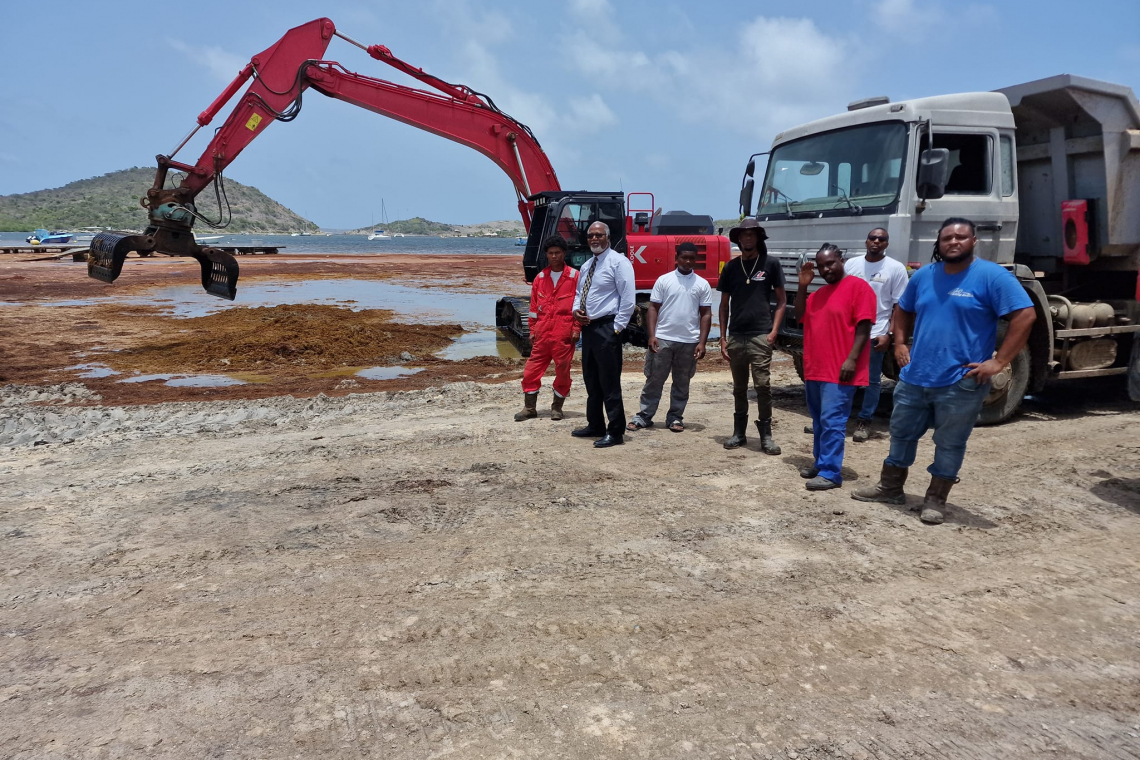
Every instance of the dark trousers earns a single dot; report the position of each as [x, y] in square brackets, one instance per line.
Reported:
[601, 371]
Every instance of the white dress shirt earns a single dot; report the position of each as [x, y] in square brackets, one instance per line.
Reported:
[611, 289]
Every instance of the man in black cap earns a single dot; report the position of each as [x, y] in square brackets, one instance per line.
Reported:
[748, 328]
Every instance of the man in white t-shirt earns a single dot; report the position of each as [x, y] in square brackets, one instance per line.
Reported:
[888, 278]
[679, 318]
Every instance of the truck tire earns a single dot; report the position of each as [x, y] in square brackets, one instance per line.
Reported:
[798, 361]
[1003, 402]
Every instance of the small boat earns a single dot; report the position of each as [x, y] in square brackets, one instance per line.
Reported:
[381, 234]
[207, 238]
[520, 241]
[62, 237]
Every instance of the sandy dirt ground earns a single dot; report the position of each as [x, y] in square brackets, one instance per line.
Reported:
[411, 574]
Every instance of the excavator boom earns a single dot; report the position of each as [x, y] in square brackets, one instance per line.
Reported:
[281, 75]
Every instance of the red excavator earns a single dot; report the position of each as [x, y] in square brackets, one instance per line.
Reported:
[282, 73]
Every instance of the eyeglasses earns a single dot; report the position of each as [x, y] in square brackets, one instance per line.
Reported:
[878, 238]
[596, 235]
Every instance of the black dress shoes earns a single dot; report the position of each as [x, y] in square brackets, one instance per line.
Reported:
[609, 440]
[587, 432]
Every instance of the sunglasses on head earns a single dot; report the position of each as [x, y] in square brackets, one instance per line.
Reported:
[879, 238]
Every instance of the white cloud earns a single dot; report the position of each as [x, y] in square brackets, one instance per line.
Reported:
[222, 64]
[588, 115]
[777, 72]
[904, 17]
[560, 125]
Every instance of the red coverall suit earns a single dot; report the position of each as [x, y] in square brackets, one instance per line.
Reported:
[553, 330]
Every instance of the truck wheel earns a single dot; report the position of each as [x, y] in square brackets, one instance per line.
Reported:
[798, 360]
[1008, 391]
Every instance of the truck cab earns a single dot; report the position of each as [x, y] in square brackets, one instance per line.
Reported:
[1022, 163]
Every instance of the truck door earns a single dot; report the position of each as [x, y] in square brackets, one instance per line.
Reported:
[981, 188]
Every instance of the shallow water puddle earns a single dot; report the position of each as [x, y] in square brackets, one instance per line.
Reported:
[93, 370]
[186, 381]
[387, 373]
[436, 305]
[485, 342]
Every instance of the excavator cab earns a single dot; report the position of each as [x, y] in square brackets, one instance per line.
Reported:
[569, 214]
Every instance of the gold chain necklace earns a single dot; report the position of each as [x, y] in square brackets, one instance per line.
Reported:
[748, 274]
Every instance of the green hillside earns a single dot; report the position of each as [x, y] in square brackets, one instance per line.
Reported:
[112, 200]
[417, 225]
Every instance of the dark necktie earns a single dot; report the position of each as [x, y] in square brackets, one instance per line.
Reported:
[589, 278]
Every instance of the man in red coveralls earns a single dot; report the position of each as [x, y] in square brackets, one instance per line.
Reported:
[837, 326]
[553, 330]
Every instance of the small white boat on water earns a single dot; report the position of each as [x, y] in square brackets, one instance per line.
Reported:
[381, 234]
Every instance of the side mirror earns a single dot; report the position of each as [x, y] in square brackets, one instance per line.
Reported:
[933, 173]
[750, 170]
[746, 196]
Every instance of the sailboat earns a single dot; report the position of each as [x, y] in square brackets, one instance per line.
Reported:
[379, 234]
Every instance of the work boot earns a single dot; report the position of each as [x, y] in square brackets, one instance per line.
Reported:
[934, 508]
[739, 426]
[862, 431]
[767, 443]
[807, 473]
[530, 407]
[556, 407]
[889, 489]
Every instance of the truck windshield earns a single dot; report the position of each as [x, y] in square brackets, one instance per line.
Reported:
[841, 173]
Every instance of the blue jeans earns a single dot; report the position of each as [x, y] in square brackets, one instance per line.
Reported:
[830, 406]
[871, 392]
[951, 410]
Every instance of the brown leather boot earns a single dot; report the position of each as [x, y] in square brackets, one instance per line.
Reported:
[530, 407]
[889, 489]
[556, 407]
[934, 509]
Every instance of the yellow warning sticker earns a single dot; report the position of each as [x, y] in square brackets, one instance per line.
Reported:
[720, 268]
[254, 120]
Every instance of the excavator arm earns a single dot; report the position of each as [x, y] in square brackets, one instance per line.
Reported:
[281, 74]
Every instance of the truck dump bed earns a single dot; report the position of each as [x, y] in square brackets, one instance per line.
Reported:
[1077, 139]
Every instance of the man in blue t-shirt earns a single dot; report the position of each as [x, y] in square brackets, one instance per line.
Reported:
[954, 306]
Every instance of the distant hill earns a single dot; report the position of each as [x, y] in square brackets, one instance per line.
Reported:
[112, 200]
[414, 226]
[420, 226]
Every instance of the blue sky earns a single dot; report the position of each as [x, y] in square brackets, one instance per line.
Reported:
[667, 97]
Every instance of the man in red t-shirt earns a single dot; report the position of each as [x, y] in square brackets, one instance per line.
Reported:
[837, 326]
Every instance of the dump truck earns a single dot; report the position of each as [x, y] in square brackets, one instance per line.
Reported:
[1049, 171]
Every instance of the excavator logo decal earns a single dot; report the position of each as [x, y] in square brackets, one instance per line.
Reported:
[254, 120]
[637, 254]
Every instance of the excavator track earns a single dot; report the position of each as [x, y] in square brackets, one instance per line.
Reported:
[511, 318]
